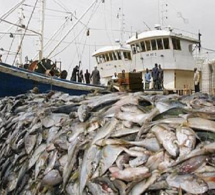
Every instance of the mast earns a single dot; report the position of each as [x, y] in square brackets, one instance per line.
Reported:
[42, 23]
[20, 30]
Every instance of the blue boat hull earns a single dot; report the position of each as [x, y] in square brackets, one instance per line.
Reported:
[15, 81]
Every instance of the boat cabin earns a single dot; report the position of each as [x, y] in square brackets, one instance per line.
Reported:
[170, 49]
[112, 59]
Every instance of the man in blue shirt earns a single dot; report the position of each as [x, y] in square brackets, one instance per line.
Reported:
[147, 79]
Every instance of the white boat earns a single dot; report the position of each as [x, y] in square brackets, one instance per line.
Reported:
[166, 47]
[113, 59]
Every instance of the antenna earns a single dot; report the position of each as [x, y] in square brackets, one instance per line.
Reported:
[164, 11]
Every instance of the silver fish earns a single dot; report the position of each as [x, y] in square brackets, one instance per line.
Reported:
[190, 183]
[36, 155]
[52, 178]
[129, 174]
[83, 112]
[167, 138]
[186, 139]
[143, 185]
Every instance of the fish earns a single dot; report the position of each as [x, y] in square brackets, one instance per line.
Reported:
[83, 112]
[188, 182]
[129, 174]
[139, 119]
[116, 143]
[186, 140]
[143, 185]
[167, 138]
[52, 178]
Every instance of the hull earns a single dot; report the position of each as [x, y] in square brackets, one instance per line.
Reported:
[15, 81]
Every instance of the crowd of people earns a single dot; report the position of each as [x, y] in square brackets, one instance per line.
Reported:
[79, 76]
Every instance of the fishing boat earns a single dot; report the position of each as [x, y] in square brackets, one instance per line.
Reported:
[162, 46]
[18, 80]
[15, 81]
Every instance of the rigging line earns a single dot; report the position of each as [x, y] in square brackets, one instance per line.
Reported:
[111, 19]
[208, 49]
[10, 47]
[52, 39]
[8, 30]
[93, 12]
[26, 29]
[61, 5]
[95, 1]
[67, 45]
[20, 45]
[4, 16]
[53, 10]
[76, 46]
[106, 27]
[76, 37]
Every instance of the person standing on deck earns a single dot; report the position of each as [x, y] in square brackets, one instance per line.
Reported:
[147, 78]
[95, 76]
[80, 77]
[87, 77]
[196, 79]
[75, 73]
[155, 76]
[160, 77]
[0, 58]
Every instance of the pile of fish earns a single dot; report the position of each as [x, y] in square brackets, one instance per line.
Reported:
[107, 144]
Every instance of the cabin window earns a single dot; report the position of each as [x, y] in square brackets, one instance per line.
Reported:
[176, 44]
[153, 43]
[111, 56]
[166, 43]
[142, 44]
[125, 55]
[119, 55]
[129, 55]
[134, 51]
[98, 60]
[114, 56]
[103, 58]
[160, 44]
[148, 45]
[138, 47]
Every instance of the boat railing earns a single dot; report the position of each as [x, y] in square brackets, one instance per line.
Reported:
[183, 33]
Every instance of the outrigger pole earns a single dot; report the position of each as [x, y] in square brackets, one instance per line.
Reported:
[42, 22]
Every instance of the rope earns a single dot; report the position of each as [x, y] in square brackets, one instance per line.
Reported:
[10, 47]
[4, 16]
[71, 28]
[25, 32]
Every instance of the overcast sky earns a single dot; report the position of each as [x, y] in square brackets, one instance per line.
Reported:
[104, 21]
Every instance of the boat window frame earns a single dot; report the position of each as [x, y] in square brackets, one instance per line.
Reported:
[133, 49]
[161, 39]
[141, 46]
[107, 57]
[129, 56]
[114, 56]
[146, 43]
[138, 50]
[110, 56]
[176, 43]
[98, 59]
[119, 55]
[153, 47]
[167, 38]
